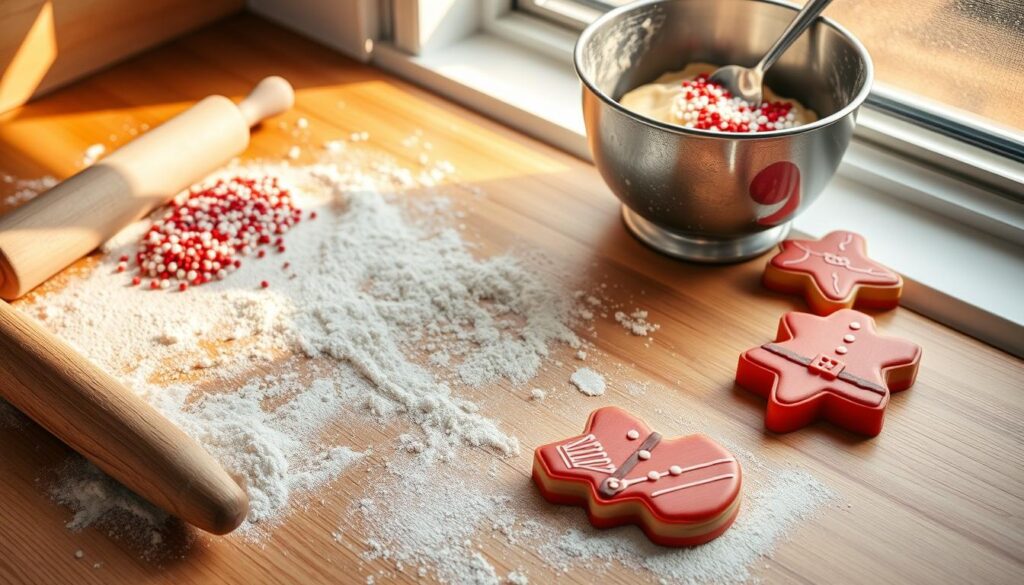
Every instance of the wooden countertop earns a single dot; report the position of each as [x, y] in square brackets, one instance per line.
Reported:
[938, 497]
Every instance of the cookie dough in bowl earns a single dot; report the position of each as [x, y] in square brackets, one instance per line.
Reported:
[689, 99]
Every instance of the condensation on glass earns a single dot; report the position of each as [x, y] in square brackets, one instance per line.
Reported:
[965, 55]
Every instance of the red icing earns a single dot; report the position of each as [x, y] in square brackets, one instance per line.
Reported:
[675, 517]
[838, 267]
[846, 382]
[776, 183]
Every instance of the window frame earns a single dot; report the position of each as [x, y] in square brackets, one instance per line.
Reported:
[942, 192]
[930, 116]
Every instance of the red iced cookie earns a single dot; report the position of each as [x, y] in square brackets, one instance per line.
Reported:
[833, 367]
[681, 491]
[833, 273]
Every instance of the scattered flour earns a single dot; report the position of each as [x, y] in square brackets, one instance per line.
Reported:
[17, 191]
[386, 314]
[637, 388]
[768, 511]
[636, 322]
[439, 528]
[419, 522]
[588, 382]
[92, 154]
[98, 500]
[376, 284]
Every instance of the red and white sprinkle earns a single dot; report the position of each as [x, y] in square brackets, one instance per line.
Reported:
[706, 105]
[205, 230]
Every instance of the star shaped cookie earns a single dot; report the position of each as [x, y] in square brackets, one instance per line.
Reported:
[835, 368]
[833, 273]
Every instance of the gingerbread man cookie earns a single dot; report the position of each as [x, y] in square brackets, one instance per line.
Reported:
[681, 491]
[833, 273]
[833, 367]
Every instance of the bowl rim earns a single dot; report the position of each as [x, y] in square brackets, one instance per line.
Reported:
[846, 110]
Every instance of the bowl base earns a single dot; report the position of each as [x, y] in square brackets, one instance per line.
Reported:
[699, 249]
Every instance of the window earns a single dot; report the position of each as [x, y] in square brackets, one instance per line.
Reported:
[953, 66]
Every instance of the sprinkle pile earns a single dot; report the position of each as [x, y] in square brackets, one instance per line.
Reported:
[706, 105]
[206, 229]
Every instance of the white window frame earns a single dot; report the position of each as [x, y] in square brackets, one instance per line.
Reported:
[905, 188]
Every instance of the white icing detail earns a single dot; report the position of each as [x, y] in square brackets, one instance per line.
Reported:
[613, 484]
[586, 453]
[632, 434]
[849, 338]
[855, 325]
[692, 484]
[674, 470]
[841, 349]
[807, 254]
[846, 241]
[834, 260]
[643, 454]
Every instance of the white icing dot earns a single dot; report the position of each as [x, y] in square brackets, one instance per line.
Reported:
[855, 325]
[675, 470]
[841, 349]
[633, 434]
[643, 454]
[613, 484]
[654, 476]
[849, 338]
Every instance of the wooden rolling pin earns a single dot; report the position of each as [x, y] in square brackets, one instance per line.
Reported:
[65, 393]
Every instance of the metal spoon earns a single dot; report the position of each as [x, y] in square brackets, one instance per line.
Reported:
[746, 82]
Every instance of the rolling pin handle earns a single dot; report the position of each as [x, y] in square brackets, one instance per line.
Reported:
[272, 96]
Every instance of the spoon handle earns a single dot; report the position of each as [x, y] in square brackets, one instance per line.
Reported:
[803, 19]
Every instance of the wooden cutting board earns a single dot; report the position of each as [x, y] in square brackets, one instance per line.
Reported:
[938, 497]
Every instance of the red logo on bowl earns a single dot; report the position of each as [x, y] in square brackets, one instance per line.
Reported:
[777, 186]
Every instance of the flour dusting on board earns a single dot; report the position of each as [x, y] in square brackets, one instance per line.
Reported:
[424, 528]
[375, 307]
[372, 291]
[15, 191]
[772, 506]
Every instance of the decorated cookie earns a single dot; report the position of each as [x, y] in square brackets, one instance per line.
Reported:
[833, 273]
[835, 367]
[681, 491]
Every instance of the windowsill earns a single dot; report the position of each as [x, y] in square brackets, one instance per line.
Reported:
[957, 271]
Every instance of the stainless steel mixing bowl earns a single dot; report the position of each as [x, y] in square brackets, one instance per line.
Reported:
[701, 195]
